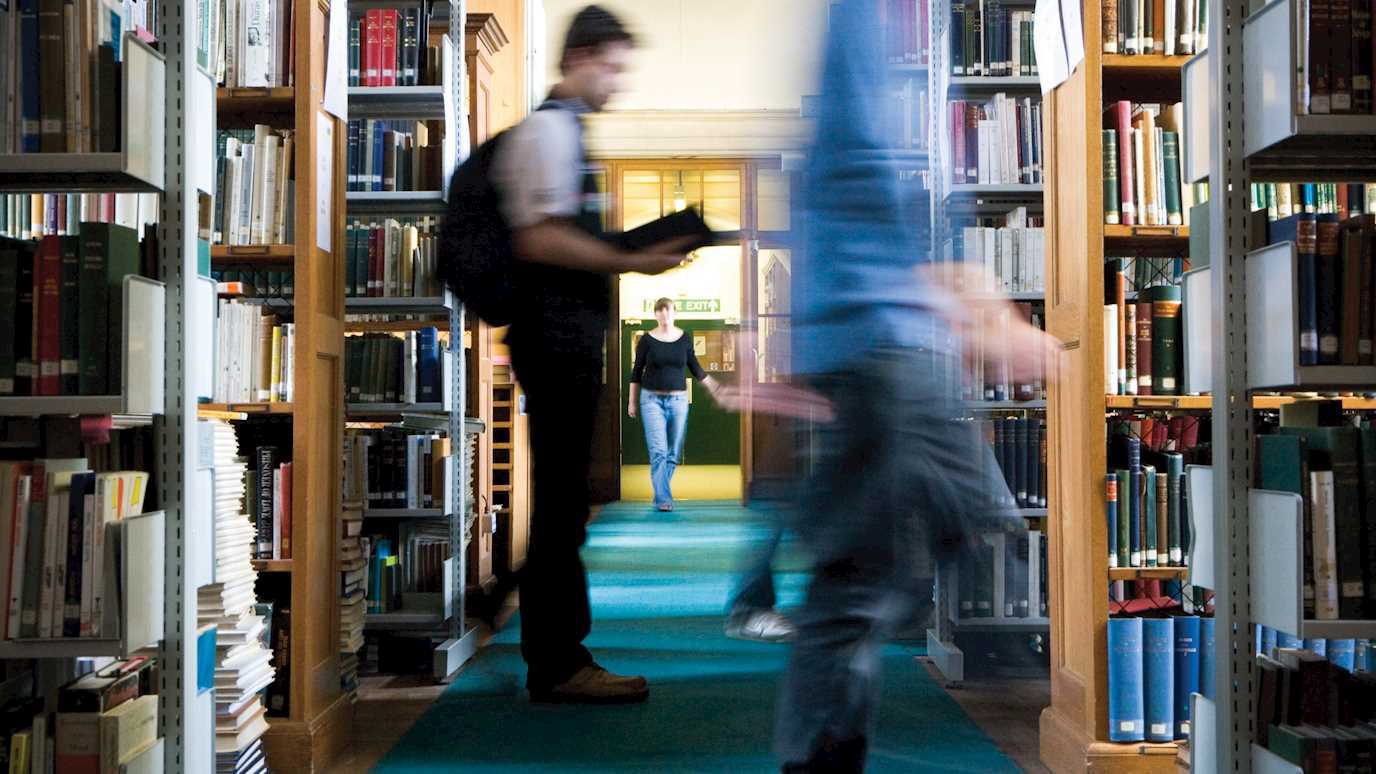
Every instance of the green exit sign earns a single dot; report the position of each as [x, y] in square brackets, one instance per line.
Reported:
[691, 305]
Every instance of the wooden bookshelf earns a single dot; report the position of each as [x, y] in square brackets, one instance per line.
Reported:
[266, 256]
[272, 565]
[255, 99]
[1074, 729]
[252, 409]
[1147, 573]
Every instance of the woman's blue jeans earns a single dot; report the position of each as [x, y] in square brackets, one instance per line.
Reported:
[665, 417]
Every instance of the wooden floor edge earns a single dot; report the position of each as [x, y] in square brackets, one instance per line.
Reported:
[1066, 749]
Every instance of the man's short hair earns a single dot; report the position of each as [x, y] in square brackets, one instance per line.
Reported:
[663, 303]
[593, 27]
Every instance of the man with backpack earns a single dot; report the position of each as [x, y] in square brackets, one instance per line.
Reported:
[525, 246]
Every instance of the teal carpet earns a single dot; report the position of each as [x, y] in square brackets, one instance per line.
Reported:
[659, 585]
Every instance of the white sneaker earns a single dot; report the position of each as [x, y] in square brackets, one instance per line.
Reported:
[761, 626]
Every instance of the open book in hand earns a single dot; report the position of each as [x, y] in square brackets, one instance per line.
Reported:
[687, 222]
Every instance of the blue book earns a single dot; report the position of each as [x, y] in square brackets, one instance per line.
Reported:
[1284, 640]
[1343, 654]
[428, 366]
[1206, 657]
[1316, 646]
[379, 154]
[352, 177]
[1186, 670]
[1126, 703]
[1149, 503]
[1257, 640]
[1158, 678]
[31, 123]
[1111, 508]
[1366, 655]
[205, 660]
[1268, 640]
[1135, 500]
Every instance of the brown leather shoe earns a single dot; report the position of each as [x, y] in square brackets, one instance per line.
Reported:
[594, 685]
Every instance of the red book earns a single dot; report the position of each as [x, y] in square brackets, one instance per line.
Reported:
[956, 121]
[1126, 181]
[389, 47]
[372, 48]
[284, 523]
[1144, 369]
[973, 115]
[47, 315]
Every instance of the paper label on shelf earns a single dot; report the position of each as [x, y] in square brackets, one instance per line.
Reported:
[1058, 40]
[336, 55]
[324, 185]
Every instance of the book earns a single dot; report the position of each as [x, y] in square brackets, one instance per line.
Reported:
[127, 730]
[1207, 659]
[1165, 331]
[1187, 669]
[1336, 453]
[1159, 678]
[1126, 698]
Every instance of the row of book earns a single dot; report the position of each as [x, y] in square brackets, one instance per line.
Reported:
[60, 565]
[1320, 455]
[61, 75]
[1146, 502]
[243, 658]
[989, 39]
[1004, 576]
[998, 142]
[255, 186]
[1014, 258]
[1019, 445]
[395, 155]
[34, 216]
[394, 469]
[269, 497]
[1154, 665]
[387, 47]
[104, 721]
[352, 597]
[1346, 200]
[1334, 273]
[1142, 336]
[1161, 27]
[1315, 702]
[906, 26]
[254, 283]
[907, 109]
[1184, 434]
[255, 354]
[1143, 184]
[1333, 60]
[988, 378]
[62, 311]
[408, 367]
[393, 258]
[408, 574]
[254, 43]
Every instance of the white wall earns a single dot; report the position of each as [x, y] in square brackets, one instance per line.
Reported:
[720, 55]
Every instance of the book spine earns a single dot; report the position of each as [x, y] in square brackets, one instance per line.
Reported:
[1146, 384]
[372, 48]
[266, 465]
[356, 24]
[1126, 699]
[388, 51]
[1162, 496]
[48, 316]
[52, 58]
[1187, 643]
[1150, 538]
[1207, 661]
[1109, 19]
[1175, 475]
[1328, 285]
[1170, 153]
[1361, 55]
[1326, 604]
[1319, 65]
[1165, 340]
[1124, 526]
[78, 504]
[1158, 667]
[69, 364]
[1340, 58]
[1112, 214]
[1126, 165]
[1111, 511]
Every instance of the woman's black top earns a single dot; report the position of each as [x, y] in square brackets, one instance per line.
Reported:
[659, 365]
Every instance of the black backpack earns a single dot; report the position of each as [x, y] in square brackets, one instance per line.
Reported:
[475, 248]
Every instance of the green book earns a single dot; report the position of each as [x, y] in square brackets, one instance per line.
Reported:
[1110, 143]
[1170, 161]
[1341, 446]
[109, 253]
[69, 367]
[1283, 466]
[1165, 339]
[1124, 518]
[9, 300]
[1149, 531]
[1175, 475]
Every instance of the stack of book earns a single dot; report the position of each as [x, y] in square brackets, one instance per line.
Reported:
[33, 216]
[270, 495]
[255, 187]
[1019, 446]
[254, 42]
[998, 142]
[60, 566]
[1334, 269]
[352, 606]
[987, 378]
[387, 47]
[242, 665]
[61, 76]
[1010, 248]
[988, 39]
[395, 155]
[106, 719]
[1169, 27]
[1316, 701]
[906, 113]
[393, 258]
[1147, 506]
[1154, 665]
[1333, 61]
[254, 355]
[1330, 462]
[383, 576]
[1143, 185]
[254, 283]
[1004, 576]
[403, 368]
[62, 311]
[393, 469]
[906, 24]
[1142, 331]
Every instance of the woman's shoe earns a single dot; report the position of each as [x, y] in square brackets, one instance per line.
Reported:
[666, 507]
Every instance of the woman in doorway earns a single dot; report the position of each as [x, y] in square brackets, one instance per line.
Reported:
[659, 396]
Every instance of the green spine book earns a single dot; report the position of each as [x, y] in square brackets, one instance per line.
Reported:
[69, 367]
[1165, 339]
[1170, 160]
[355, 38]
[1342, 447]
[1175, 475]
[9, 301]
[109, 253]
[1124, 518]
[1369, 514]
[1111, 213]
[1282, 466]
[1149, 536]
[25, 368]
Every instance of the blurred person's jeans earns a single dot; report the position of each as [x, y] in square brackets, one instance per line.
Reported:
[665, 418]
[755, 584]
[894, 475]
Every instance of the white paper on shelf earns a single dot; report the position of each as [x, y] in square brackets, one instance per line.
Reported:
[336, 55]
[324, 185]
[1057, 37]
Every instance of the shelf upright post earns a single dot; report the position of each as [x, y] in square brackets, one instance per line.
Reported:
[1232, 411]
